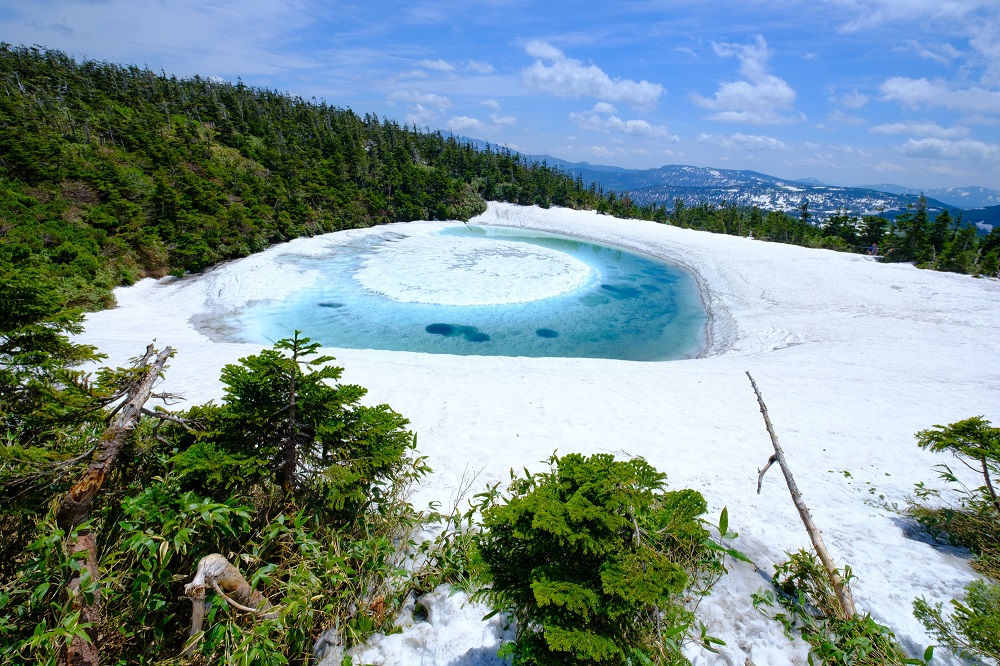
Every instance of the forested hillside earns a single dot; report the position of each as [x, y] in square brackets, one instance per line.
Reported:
[110, 173]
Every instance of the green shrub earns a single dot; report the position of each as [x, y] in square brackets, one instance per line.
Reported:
[973, 521]
[592, 559]
[973, 630]
[810, 607]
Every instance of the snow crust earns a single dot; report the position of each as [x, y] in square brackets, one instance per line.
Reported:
[852, 358]
[469, 271]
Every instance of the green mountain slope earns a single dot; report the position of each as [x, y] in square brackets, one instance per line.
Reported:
[111, 173]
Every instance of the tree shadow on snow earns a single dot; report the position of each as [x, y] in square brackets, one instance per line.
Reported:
[481, 656]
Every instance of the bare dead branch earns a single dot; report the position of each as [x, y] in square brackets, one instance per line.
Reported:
[164, 415]
[762, 472]
[842, 591]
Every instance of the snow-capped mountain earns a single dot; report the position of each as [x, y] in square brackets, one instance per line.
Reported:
[960, 197]
[742, 188]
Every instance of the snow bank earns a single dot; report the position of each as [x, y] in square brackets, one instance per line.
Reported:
[852, 358]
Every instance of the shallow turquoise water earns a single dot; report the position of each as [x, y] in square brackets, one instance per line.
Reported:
[635, 307]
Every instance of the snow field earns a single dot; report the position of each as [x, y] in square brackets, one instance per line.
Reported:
[852, 358]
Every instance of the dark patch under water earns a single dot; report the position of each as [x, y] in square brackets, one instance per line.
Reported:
[621, 291]
[547, 333]
[331, 305]
[470, 333]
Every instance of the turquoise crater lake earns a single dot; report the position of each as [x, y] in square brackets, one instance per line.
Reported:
[492, 291]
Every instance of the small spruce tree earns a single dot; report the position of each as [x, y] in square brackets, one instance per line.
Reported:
[590, 558]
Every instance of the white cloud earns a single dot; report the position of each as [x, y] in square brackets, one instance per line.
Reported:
[744, 141]
[473, 66]
[851, 100]
[943, 149]
[598, 120]
[491, 103]
[437, 65]
[942, 53]
[503, 120]
[871, 13]
[921, 128]
[838, 116]
[887, 167]
[760, 99]
[554, 73]
[424, 108]
[976, 20]
[421, 116]
[916, 93]
[604, 151]
[478, 67]
[462, 124]
[416, 97]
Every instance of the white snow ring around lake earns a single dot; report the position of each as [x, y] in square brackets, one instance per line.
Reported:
[448, 270]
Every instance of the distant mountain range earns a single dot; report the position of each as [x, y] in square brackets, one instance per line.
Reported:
[695, 185]
[960, 197]
[750, 188]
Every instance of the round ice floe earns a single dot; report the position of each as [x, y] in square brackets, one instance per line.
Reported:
[470, 271]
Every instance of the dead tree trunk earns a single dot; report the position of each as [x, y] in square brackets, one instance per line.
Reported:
[841, 590]
[75, 507]
[216, 572]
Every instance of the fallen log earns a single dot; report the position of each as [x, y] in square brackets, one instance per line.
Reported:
[74, 510]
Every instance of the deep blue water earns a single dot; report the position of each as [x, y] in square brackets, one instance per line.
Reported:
[636, 308]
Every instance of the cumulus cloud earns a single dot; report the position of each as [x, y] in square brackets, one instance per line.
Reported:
[503, 120]
[917, 93]
[559, 75]
[491, 103]
[438, 65]
[602, 119]
[759, 99]
[850, 100]
[423, 108]
[943, 149]
[921, 128]
[416, 97]
[472, 66]
[478, 67]
[462, 124]
[744, 141]
[421, 116]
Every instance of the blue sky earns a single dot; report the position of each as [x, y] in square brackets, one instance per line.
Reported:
[847, 91]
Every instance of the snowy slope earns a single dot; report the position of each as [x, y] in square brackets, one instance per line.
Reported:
[852, 358]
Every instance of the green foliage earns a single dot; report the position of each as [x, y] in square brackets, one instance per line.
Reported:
[593, 558]
[974, 521]
[39, 390]
[329, 554]
[112, 173]
[973, 629]
[286, 419]
[810, 607]
[971, 438]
